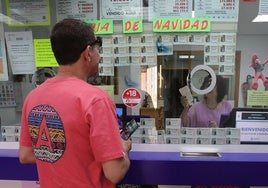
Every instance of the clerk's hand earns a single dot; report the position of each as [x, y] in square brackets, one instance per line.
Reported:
[213, 124]
[184, 102]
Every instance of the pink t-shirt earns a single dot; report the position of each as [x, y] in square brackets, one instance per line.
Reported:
[200, 115]
[73, 128]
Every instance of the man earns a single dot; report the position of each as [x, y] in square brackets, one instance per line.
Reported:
[69, 127]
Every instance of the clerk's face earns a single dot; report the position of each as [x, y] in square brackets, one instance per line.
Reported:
[213, 93]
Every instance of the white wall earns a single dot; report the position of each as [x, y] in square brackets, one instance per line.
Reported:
[249, 44]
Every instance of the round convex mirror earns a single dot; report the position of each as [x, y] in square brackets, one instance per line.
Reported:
[202, 79]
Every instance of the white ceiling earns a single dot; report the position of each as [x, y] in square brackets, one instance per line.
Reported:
[247, 12]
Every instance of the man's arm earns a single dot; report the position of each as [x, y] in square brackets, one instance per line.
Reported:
[115, 170]
[26, 154]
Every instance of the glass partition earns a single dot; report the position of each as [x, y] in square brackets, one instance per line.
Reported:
[145, 46]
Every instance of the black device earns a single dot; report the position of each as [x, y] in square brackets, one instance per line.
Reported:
[121, 111]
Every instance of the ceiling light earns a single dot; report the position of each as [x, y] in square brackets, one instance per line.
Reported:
[186, 56]
[261, 18]
[192, 56]
[183, 56]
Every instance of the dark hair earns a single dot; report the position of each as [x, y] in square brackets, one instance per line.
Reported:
[69, 38]
[220, 84]
[206, 82]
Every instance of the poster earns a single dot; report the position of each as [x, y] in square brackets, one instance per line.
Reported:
[217, 10]
[20, 52]
[257, 98]
[44, 56]
[119, 10]
[263, 7]
[28, 12]
[3, 60]
[83, 10]
[169, 8]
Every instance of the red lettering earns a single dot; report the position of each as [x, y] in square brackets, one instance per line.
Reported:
[181, 24]
[98, 27]
[167, 25]
[93, 26]
[196, 24]
[187, 24]
[204, 24]
[105, 27]
[158, 24]
[174, 24]
[127, 25]
[136, 26]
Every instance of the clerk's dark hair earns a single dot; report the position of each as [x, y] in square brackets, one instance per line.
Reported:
[220, 84]
[69, 38]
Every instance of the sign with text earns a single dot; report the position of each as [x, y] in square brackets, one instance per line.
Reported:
[77, 9]
[169, 8]
[3, 59]
[253, 126]
[217, 10]
[174, 24]
[20, 52]
[132, 25]
[44, 56]
[257, 98]
[28, 13]
[102, 26]
[263, 5]
[120, 9]
[131, 97]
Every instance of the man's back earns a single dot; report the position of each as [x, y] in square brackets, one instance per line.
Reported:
[72, 132]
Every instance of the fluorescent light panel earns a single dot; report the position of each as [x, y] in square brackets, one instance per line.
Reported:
[260, 18]
[186, 56]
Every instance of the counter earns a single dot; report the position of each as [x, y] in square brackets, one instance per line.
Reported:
[238, 165]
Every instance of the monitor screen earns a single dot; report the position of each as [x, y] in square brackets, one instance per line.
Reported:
[253, 124]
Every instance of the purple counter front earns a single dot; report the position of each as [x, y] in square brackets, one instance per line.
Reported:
[236, 165]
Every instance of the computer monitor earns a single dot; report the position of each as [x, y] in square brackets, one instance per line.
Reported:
[253, 124]
[121, 111]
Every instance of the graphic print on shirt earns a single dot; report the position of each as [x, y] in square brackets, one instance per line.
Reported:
[47, 133]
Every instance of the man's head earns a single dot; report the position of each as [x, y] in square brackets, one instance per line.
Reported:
[69, 38]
